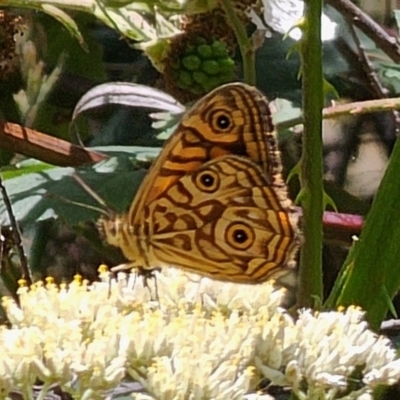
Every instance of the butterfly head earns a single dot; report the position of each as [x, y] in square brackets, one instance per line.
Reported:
[110, 228]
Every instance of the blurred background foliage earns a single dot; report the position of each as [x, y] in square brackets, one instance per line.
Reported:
[51, 54]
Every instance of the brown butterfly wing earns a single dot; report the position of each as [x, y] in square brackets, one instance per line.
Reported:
[232, 119]
[223, 220]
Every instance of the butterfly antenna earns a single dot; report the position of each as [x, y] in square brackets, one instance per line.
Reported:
[89, 190]
[94, 195]
[78, 203]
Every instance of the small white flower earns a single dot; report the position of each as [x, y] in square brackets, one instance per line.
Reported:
[386, 375]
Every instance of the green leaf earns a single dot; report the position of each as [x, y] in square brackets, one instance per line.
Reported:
[39, 191]
[25, 167]
[126, 20]
[66, 21]
[390, 75]
[328, 201]
[329, 90]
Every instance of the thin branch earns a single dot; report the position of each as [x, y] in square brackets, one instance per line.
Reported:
[245, 43]
[356, 108]
[380, 91]
[16, 235]
[366, 24]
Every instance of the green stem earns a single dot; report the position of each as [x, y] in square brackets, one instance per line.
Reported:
[245, 44]
[310, 272]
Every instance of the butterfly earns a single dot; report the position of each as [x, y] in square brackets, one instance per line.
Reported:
[214, 201]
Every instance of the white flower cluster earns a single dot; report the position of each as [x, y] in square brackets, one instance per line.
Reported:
[201, 339]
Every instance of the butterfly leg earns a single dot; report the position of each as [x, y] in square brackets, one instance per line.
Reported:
[148, 274]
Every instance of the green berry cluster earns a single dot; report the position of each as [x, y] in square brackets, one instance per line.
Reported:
[204, 66]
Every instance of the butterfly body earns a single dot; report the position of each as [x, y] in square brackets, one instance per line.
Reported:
[214, 201]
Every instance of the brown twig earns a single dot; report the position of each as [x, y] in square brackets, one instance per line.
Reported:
[356, 108]
[340, 227]
[46, 148]
[380, 91]
[366, 24]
